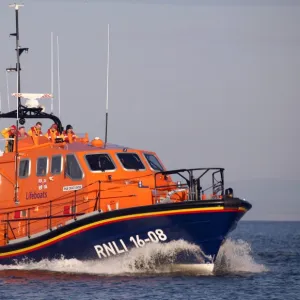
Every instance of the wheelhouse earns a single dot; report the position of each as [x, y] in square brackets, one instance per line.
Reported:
[100, 161]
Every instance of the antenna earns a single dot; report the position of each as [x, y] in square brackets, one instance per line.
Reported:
[52, 71]
[0, 103]
[107, 75]
[58, 76]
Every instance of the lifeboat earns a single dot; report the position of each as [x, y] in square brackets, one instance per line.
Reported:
[88, 199]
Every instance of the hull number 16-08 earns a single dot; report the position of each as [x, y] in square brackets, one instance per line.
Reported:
[119, 246]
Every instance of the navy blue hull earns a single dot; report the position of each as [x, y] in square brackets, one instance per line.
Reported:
[98, 238]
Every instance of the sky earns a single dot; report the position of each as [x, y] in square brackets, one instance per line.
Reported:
[201, 83]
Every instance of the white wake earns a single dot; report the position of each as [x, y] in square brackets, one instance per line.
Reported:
[234, 256]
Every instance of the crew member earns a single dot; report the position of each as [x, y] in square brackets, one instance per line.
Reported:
[67, 132]
[52, 131]
[7, 133]
[36, 130]
[22, 134]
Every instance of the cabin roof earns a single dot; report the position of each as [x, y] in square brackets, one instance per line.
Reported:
[79, 147]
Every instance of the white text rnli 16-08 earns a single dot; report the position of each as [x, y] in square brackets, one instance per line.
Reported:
[118, 247]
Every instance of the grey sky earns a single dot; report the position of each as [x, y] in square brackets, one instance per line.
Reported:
[199, 84]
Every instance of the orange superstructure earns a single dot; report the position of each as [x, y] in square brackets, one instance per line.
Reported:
[73, 176]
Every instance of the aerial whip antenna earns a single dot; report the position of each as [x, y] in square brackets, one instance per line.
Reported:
[58, 76]
[52, 72]
[107, 75]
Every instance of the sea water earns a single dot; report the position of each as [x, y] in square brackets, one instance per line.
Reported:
[260, 260]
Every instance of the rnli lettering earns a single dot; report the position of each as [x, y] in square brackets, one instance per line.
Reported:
[118, 247]
[72, 188]
[34, 195]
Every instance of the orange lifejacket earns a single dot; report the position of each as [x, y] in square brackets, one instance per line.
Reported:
[34, 131]
[66, 136]
[7, 133]
[11, 134]
[24, 136]
[50, 133]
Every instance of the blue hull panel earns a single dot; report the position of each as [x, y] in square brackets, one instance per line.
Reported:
[205, 229]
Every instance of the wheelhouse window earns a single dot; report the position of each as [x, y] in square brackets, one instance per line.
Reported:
[24, 168]
[42, 166]
[56, 164]
[153, 162]
[131, 161]
[100, 162]
[73, 169]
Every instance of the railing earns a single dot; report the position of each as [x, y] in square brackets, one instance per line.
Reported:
[55, 213]
[194, 182]
[22, 223]
[78, 202]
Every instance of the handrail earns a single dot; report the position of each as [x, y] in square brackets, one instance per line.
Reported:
[50, 204]
[53, 200]
[29, 219]
[193, 183]
[41, 218]
[55, 208]
[55, 204]
[176, 171]
[65, 195]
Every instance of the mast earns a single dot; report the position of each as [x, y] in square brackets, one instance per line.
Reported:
[19, 51]
[25, 112]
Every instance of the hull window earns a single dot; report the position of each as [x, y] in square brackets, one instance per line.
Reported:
[24, 168]
[131, 161]
[73, 169]
[153, 162]
[42, 166]
[56, 164]
[100, 162]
